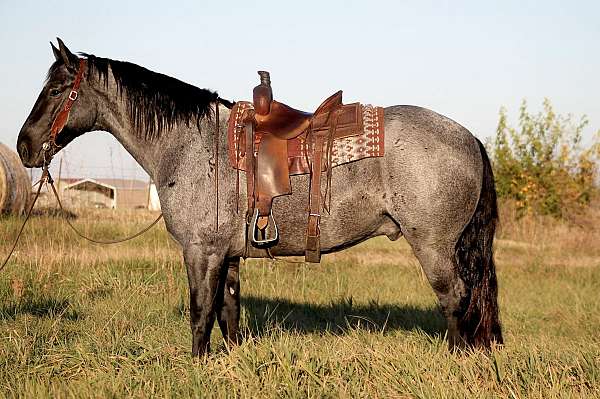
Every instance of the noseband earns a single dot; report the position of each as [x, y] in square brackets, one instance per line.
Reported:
[63, 116]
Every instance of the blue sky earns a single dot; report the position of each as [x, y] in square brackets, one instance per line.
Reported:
[463, 59]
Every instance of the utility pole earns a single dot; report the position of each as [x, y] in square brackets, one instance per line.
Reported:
[59, 173]
[149, 189]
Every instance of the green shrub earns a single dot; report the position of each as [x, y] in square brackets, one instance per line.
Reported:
[542, 165]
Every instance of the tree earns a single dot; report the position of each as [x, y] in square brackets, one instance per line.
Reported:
[542, 164]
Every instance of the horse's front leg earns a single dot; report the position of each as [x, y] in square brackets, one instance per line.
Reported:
[228, 301]
[204, 268]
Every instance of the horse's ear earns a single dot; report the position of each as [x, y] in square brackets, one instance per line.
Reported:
[56, 52]
[67, 57]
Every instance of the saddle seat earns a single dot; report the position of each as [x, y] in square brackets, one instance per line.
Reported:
[286, 123]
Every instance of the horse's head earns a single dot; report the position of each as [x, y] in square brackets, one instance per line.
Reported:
[36, 143]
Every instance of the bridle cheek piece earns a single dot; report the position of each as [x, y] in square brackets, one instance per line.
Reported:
[63, 116]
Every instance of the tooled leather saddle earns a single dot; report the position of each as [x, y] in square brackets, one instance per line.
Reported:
[271, 141]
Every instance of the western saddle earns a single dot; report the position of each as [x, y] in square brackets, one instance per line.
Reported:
[271, 141]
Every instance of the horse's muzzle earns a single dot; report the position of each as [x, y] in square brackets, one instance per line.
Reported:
[24, 152]
[29, 157]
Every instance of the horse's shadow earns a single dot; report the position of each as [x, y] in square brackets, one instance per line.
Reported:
[339, 317]
[40, 307]
[263, 314]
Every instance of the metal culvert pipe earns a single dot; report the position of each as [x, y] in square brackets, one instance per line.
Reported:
[15, 184]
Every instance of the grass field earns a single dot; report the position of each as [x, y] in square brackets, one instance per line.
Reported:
[89, 321]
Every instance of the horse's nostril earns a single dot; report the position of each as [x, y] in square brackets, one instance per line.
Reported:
[24, 151]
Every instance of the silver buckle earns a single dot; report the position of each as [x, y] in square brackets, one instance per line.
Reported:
[73, 95]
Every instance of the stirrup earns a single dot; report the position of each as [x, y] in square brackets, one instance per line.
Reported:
[267, 242]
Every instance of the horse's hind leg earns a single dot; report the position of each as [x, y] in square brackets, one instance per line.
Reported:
[228, 300]
[463, 274]
[439, 265]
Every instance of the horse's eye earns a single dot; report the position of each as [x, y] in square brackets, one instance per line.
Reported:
[54, 92]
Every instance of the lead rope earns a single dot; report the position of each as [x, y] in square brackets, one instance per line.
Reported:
[37, 195]
[108, 242]
[46, 178]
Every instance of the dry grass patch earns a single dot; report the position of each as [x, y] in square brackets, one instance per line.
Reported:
[79, 320]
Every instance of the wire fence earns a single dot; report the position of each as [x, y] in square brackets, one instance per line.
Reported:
[69, 163]
[119, 183]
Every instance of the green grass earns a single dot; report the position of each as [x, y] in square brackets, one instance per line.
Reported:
[88, 321]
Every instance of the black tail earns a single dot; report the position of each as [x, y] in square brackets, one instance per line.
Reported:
[478, 321]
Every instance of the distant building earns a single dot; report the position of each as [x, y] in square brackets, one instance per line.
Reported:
[103, 193]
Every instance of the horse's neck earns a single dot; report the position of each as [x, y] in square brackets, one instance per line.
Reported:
[180, 145]
[114, 118]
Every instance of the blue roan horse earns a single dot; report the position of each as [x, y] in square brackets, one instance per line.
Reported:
[434, 186]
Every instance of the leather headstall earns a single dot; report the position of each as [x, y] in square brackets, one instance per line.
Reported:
[63, 116]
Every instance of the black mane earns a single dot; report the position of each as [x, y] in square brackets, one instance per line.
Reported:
[155, 102]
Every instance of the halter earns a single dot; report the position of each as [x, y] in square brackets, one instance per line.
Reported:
[63, 116]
